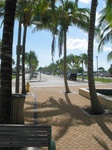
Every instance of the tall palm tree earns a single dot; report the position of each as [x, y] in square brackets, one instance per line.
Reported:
[59, 19]
[95, 104]
[26, 11]
[30, 9]
[6, 62]
[26, 16]
[69, 14]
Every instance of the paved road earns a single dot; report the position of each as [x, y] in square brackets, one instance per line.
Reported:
[52, 81]
[43, 80]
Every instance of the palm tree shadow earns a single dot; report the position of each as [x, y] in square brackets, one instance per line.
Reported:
[104, 128]
[72, 111]
[74, 115]
[102, 143]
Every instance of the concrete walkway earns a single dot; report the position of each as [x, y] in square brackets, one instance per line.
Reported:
[72, 128]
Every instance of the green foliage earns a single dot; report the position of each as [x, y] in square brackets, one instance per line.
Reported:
[31, 60]
[100, 79]
[105, 25]
[110, 69]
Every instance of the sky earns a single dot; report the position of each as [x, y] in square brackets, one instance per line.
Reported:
[77, 42]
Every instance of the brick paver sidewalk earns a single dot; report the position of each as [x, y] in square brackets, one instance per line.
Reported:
[72, 128]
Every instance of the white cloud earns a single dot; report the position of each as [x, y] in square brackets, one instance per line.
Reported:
[85, 1]
[106, 48]
[97, 18]
[77, 44]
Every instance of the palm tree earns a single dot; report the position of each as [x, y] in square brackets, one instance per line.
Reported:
[29, 10]
[61, 18]
[95, 104]
[26, 11]
[26, 16]
[105, 24]
[32, 61]
[73, 62]
[60, 64]
[69, 14]
[6, 62]
[83, 60]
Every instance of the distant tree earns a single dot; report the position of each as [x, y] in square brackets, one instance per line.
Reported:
[72, 62]
[32, 61]
[110, 69]
[101, 69]
[60, 66]
[83, 60]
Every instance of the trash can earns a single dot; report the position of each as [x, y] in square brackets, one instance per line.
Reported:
[18, 101]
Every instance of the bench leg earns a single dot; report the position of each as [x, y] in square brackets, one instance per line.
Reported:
[52, 145]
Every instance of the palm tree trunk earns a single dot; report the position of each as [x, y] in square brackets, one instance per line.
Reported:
[82, 71]
[23, 62]
[95, 104]
[6, 62]
[65, 68]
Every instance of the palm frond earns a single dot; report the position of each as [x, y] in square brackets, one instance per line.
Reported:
[60, 40]
[109, 57]
[104, 40]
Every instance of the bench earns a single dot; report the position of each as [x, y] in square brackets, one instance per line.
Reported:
[14, 135]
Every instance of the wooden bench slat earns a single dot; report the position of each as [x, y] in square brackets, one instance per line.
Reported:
[23, 145]
[24, 133]
[23, 128]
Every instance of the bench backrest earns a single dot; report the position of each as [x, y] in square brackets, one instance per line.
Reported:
[25, 135]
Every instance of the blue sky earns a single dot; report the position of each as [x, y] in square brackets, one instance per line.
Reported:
[77, 42]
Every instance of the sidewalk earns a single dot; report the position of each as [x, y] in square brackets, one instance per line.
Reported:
[72, 128]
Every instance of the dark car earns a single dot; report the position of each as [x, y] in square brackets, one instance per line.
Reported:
[72, 76]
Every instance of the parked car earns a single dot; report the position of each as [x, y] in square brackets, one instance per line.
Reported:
[72, 76]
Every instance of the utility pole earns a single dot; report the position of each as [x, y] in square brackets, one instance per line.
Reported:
[97, 65]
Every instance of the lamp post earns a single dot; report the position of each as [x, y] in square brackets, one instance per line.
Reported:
[97, 65]
[18, 52]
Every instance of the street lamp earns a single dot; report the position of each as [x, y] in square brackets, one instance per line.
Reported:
[97, 65]
[36, 20]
